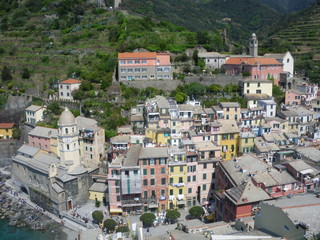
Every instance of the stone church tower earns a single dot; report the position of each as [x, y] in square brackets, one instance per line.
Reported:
[253, 45]
[68, 140]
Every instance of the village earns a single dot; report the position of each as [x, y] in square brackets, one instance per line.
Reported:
[181, 170]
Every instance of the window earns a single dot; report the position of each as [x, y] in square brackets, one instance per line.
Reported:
[145, 162]
[231, 136]
[171, 191]
[145, 194]
[130, 70]
[163, 170]
[152, 182]
[180, 191]
[163, 181]
[137, 70]
[145, 182]
[144, 77]
[117, 190]
[68, 147]
[258, 84]
[258, 91]
[137, 61]
[145, 172]
[227, 117]
[248, 91]
[144, 70]
[248, 84]
[204, 187]
[61, 93]
[228, 109]
[122, 62]
[144, 61]
[118, 198]
[194, 178]
[246, 140]
[123, 70]
[174, 123]
[166, 69]
[204, 166]
[159, 69]
[129, 61]
[181, 168]
[189, 178]
[162, 161]
[135, 172]
[171, 180]
[171, 169]
[189, 190]
[152, 171]
[180, 179]
[224, 136]
[204, 176]
[163, 192]
[68, 94]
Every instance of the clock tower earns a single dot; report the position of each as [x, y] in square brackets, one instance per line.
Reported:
[68, 140]
[253, 45]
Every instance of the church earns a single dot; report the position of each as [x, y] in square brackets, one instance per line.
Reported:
[55, 183]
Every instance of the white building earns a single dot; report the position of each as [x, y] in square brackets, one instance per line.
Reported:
[213, 60]
[269, 107]
[67, 87]
[34, 114]
[285, 58]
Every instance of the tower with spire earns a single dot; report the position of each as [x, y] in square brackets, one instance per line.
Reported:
[68, 140]
[253, 45]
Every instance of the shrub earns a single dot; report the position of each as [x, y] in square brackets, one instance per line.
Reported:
[123, 229]
[196, 211]
[172, 215]
[109, 224]
[97, 216]
[147, 219]
[97, 203]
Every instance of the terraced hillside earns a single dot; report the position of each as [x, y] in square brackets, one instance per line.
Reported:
[86, 49]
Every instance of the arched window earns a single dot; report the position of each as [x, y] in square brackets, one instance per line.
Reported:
[288, 60]
[66, 130]
[68, 147]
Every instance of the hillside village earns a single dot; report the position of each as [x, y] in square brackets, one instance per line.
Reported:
[182, 169]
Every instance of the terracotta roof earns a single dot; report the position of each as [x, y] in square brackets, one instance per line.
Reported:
[253, 61]
[138, 55]
[6, 125]
[68, 81]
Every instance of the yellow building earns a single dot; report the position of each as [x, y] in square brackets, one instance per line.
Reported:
[160, 136]
[246, 142]
[231, 110]
[257, 86]
[6, 130]
[99, 192]
[229, 139]
[177, 179]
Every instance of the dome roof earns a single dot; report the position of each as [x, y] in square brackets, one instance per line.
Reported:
[67, 118]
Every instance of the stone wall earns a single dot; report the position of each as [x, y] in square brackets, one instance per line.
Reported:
[7, 150]
[168, 85]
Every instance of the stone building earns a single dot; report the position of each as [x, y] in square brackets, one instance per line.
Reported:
[55, 183]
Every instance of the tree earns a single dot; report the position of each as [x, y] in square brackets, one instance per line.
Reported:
[97, 216]
[97, 204]
[109, 224]
[196, 211]
[214, 88]
[6, 74]
[195, 90]
[25, 73]
[123, 229]
[180, 97]
[195, 57]
[172, 215]
[147, 219]
[54, 108]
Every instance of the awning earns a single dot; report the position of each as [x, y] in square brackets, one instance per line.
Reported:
[116, 211]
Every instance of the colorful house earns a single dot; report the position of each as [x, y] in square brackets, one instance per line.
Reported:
[256, 67]
[34, 114]
[246, 142]
[229, 139]
[6, 130]
[256, 86]
[144, 66]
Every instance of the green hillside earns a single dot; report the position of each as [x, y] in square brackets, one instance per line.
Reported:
[302, 37]
[286, 6]
[239, 17]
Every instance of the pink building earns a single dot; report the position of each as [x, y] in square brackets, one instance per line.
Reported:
[258, 68]
[144, 66]
[293, 97]
[43, 138]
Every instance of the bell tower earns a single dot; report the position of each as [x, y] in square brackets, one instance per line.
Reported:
[68, 140]
[253, 45]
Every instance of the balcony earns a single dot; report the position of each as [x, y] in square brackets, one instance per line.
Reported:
[177, 184]
[132, 203]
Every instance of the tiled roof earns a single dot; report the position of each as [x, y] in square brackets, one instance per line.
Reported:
[70, 81]
[6, 125]
[253, 61]
[28, 150]
[246, 193]
[158, 152]
[137, 55]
